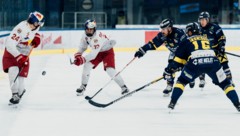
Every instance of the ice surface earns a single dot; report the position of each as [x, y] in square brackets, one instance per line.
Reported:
[50, 106]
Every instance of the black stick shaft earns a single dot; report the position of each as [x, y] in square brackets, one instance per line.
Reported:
[232, 54]
[122, 97]
[89, 98]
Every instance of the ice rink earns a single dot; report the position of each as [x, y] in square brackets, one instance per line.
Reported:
[50, 106]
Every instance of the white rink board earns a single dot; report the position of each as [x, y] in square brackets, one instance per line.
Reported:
[124, 38]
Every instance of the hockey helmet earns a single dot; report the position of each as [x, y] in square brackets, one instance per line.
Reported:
[204, 14]
[166, 23]
[36, 18]
[193, 27]
[90, 24]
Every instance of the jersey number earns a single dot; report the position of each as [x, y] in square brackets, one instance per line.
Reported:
[204, 45]
[15, 37]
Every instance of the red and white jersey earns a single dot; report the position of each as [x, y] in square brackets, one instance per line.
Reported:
[99, 42]
[19, 40]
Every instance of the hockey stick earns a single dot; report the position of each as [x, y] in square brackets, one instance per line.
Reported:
[14, 81]
[71, 62]
[89, 98]
[124, 96]
[232, 54]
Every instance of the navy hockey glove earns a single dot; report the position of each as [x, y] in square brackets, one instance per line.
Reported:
[139, 53]
[221, 50]
[167, 74]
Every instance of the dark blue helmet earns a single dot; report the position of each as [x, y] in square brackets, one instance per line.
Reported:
[193, 27]
[204, 14]
[36, 18]
[166, 23]
[90, 24]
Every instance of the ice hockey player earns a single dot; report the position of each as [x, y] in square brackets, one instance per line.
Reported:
[18, 46]
[196, 55]
[169, 36]
[101, 51]
[218, 40]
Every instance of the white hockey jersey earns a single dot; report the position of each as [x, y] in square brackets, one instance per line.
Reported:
[99, 42]
[19, 39]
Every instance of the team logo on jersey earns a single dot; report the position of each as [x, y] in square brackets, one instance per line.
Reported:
[95, 40]
[19, 30]
[195, 62]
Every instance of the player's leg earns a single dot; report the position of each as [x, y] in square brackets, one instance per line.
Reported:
[12, 73]
[118, 79]
[192, 84]
[21, 89]
[187, 75]
[109, 67]
[202, 80]
[224, 62]
[227, 71]
[219, 78]
[169, 87]
[170, 82]
[85, 77]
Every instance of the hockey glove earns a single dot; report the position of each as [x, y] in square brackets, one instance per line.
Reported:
[22, 60]
[167, 74]
[139, 53]
[221, 50]
[36, 40]
[79, 59]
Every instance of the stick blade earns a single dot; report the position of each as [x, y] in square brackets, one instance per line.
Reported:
[88, 98]
[98, 104]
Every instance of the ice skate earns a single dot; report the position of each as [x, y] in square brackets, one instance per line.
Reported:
[171, 106]
[237, 106]
[167, 90]
[81, 90]
[15, 99]
[202, 83]
[124, 89]
[192, 84]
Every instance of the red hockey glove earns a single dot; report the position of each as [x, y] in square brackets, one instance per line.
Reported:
[36, 40]
[22, 60]
[79, 59]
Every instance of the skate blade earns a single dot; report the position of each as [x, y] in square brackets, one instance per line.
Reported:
[79, 94]
[13, 105]
[166, 95]
[170, 111]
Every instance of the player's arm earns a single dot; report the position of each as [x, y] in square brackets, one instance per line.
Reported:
[151, 45]
[79, 59]
[221, 39]
[179, 60]
[11, 46]
[13, 40]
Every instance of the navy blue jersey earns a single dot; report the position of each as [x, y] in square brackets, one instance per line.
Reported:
[215, 35]
[195, 50]
[172, 41]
